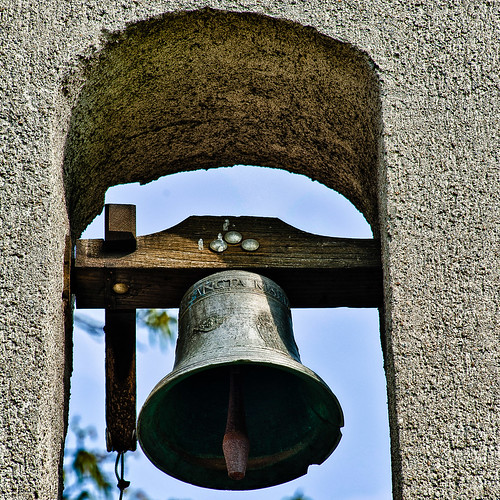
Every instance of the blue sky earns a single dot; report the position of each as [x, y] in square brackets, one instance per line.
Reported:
[341, 345]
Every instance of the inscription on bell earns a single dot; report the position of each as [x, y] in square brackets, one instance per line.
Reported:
[234, 284]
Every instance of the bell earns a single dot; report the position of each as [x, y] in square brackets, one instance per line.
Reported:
[239, 411]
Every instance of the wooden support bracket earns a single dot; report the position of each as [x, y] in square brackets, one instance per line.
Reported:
[119, 228]
[314, 271]
[120, 339]
[122, 273]
[120, 380]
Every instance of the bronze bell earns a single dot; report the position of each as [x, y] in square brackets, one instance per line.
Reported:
[239, 411]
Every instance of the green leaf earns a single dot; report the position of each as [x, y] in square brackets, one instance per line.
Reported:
[160, 325]
[86, 464]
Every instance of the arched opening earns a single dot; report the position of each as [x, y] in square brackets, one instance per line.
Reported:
[341, 345]
[209, 89]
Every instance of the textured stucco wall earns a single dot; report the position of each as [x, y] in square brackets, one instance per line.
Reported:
[440, 224]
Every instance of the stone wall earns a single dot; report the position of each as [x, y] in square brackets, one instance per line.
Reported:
[436, 67]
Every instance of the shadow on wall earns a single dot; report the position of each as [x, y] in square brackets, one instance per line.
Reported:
[208, 88]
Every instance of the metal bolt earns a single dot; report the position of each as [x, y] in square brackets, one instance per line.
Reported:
[233, 237]
[250, 245]
[218, 245]
[120, 288]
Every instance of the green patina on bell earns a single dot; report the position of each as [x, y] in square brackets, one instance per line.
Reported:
[238, 380]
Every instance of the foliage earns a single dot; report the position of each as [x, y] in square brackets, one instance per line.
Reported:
[298, 495]
[85, 472]
[160, 325]
[91, 326]
[84, 477]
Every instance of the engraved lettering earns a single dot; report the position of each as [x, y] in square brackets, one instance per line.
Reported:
[236, 282]
[222, 284]
[258, 284]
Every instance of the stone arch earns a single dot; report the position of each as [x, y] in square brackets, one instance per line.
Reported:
[204, 89]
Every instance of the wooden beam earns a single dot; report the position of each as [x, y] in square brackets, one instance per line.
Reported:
[120, 336]
[119, 228]
[314, 271]
[120, 380]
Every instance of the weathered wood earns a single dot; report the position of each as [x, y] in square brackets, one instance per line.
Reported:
[315, 271]
[120, 380]
[120, 336]
[68, 251]
[119, 228]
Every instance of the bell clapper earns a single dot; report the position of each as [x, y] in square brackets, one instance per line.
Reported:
[235, 444]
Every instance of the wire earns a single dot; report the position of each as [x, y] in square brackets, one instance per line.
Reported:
[122, 484]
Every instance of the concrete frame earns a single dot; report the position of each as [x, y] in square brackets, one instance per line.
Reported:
[428, 182]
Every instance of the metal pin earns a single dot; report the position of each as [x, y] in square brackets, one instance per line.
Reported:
[120, 288]
[218, 245]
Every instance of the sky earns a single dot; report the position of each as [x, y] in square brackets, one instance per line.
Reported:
[341, 345]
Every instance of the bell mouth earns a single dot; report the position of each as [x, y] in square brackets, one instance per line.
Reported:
[293, 421]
